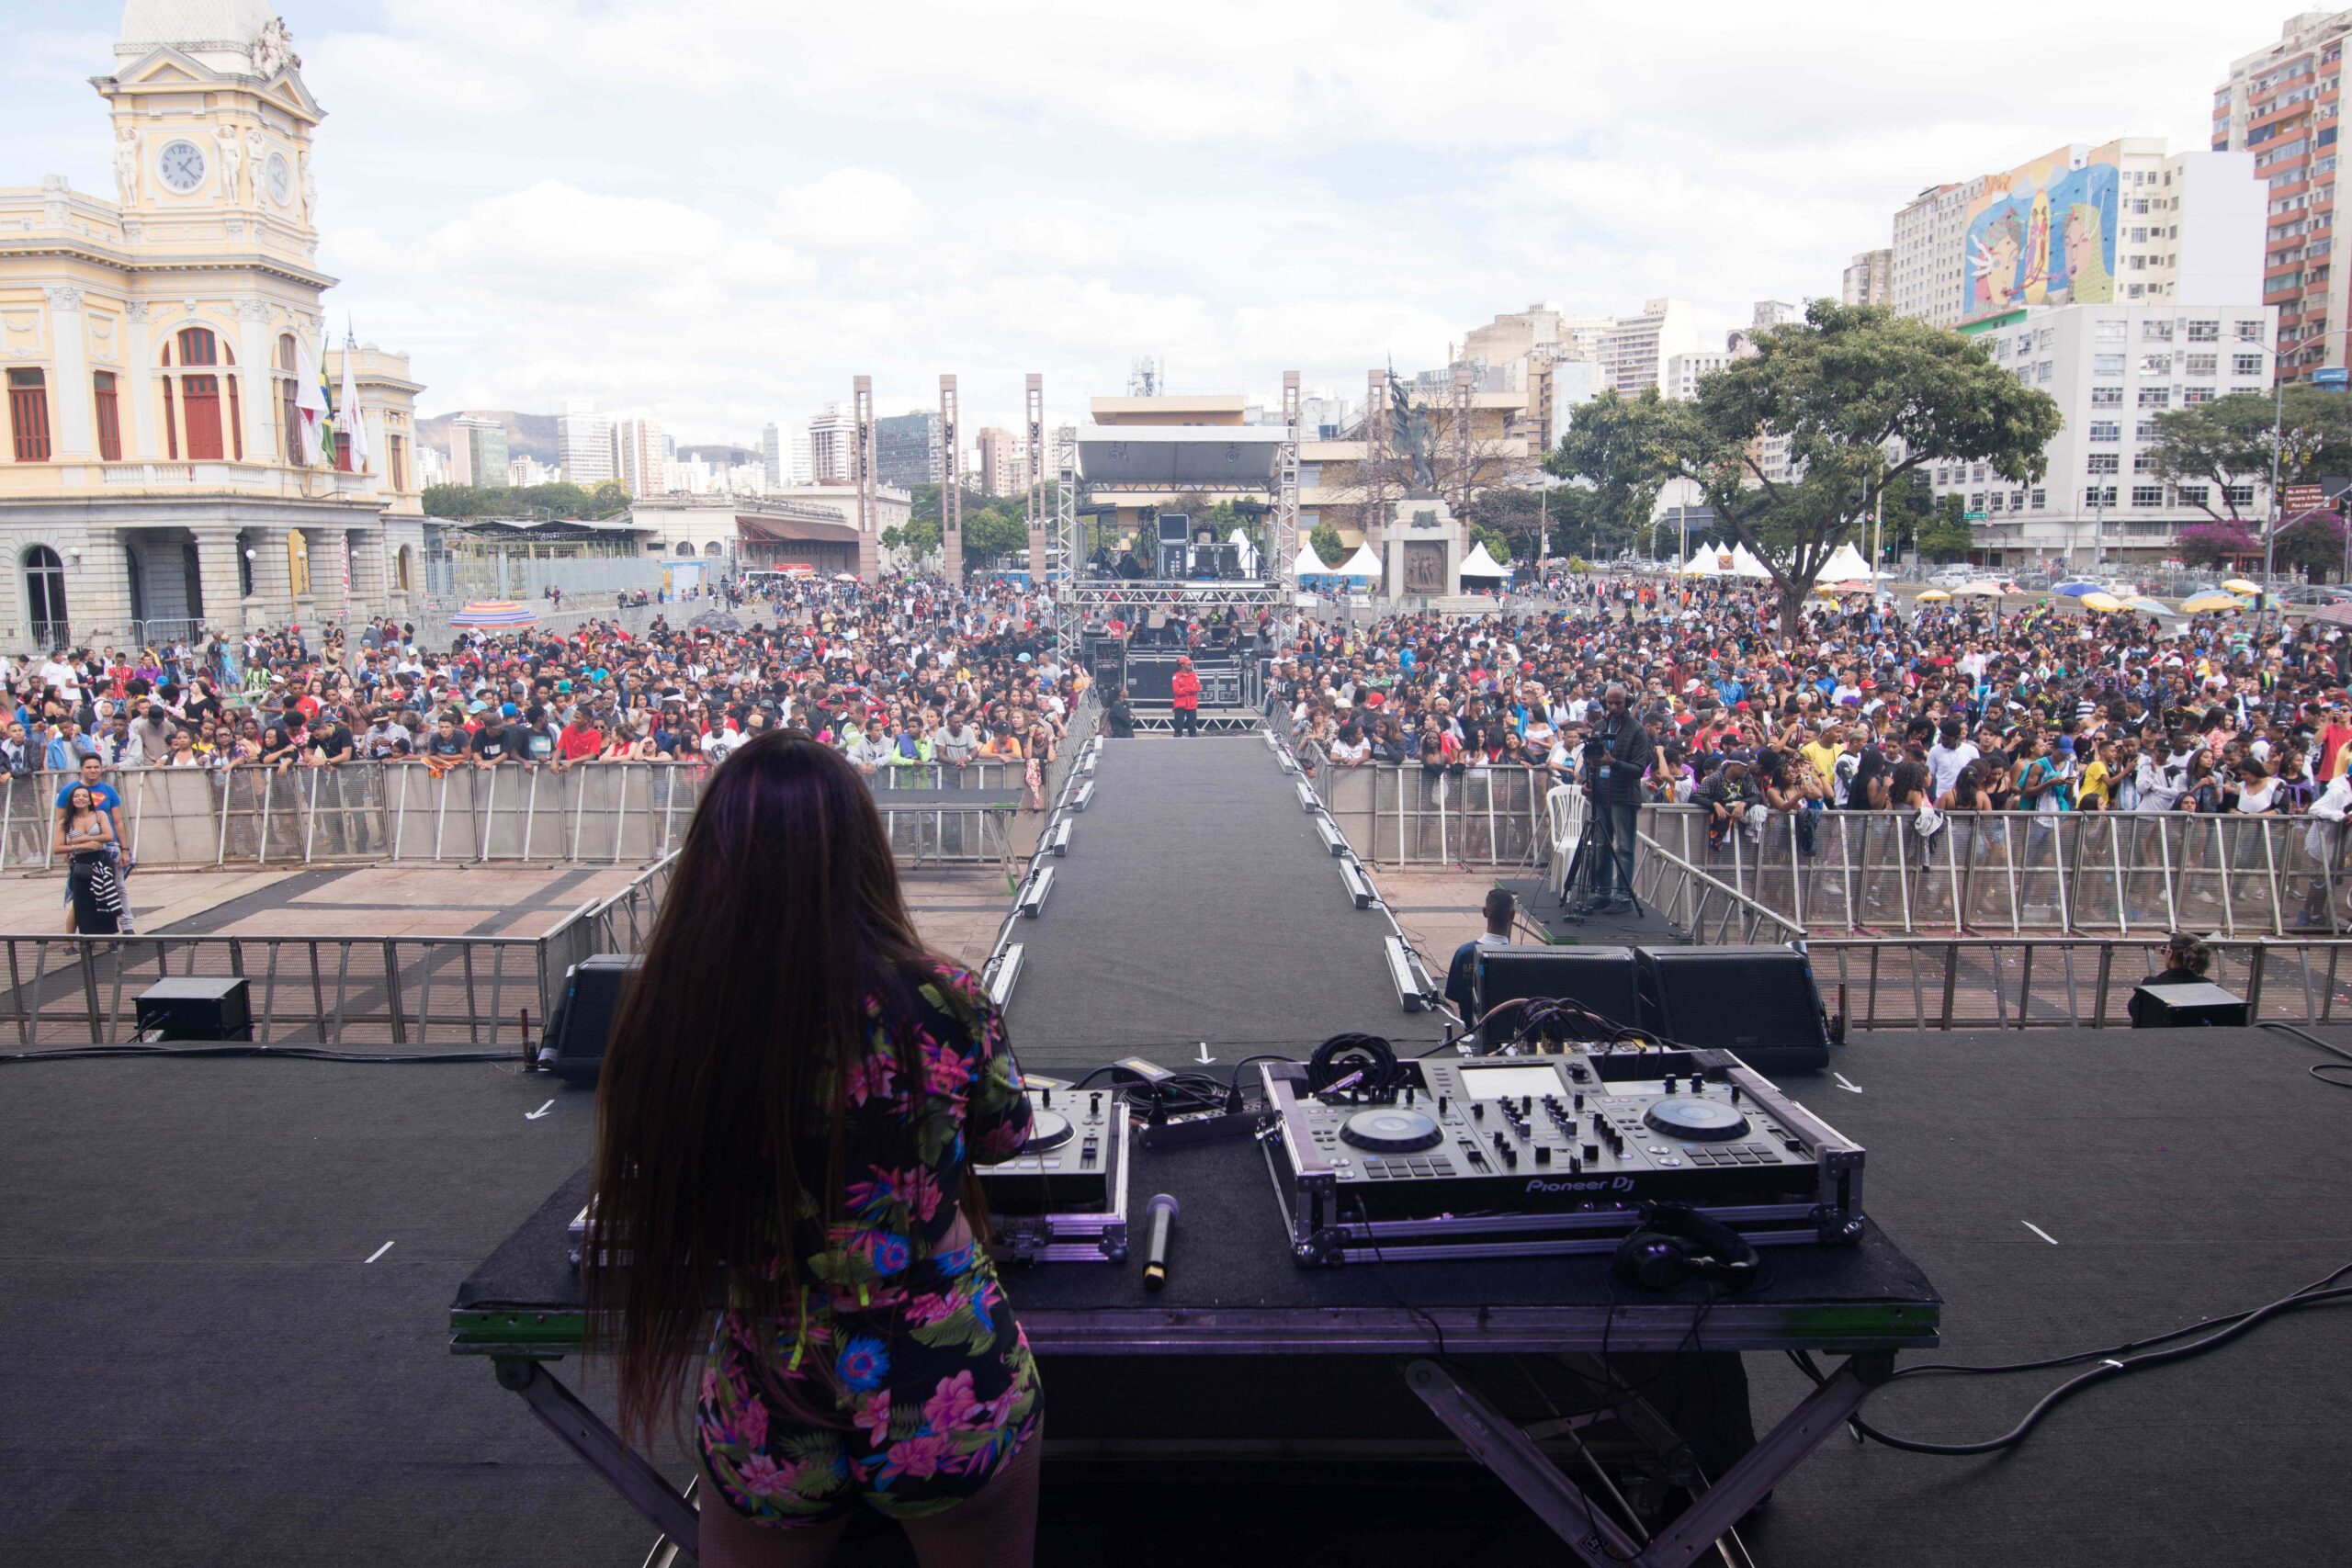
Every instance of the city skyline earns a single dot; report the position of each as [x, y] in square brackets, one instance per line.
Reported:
[1363, 183]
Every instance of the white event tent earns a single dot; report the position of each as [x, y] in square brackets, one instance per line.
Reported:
[1364, 563]
[1478, 563]
[1308, 564]
[1846, 566]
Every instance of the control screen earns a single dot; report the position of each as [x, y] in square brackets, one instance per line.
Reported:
[1509, 1083]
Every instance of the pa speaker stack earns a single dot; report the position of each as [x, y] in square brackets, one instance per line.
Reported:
[1601, 978]
[573, 1046]
[1759, 1002]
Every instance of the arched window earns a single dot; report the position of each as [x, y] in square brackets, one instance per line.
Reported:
[400, 568]
[686, 550]
[711, 548]
[45, 597]
[193, 394]
[297, 562]
[290, 412]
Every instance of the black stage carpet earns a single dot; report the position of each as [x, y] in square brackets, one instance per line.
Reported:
[1197, 904]
[201, 1368]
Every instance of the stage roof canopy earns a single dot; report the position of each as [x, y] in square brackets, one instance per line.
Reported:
[1181, 456]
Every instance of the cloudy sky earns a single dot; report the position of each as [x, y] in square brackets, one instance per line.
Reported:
[718, 211]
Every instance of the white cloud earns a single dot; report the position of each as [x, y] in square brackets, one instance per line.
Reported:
[848, 209]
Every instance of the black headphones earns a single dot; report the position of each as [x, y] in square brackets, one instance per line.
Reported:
[1674, 1242]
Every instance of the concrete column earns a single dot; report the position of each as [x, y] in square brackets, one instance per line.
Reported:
[371, 577]
[218, 581]
[258, 388]
[145, 442]
[69, 399]
[272, 602]
[97, 588]
[331, 586]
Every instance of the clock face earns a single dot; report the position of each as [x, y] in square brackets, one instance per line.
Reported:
[182, 165]
[280, 175]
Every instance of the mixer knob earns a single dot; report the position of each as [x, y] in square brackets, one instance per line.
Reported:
[1592, 1151]
[1525, 1104]
[1734, 1094]
[1479, 1109]
[1046, 1098]
[1543, 1154]
[1408, 1094]
[1510, 1159]
[1669, 1083]
[1578, 1099]
[1575, 1166]
[1441, 1100]
[1094, 1104]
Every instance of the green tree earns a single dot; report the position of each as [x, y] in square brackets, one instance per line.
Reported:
[2314, 546]
[1326, 541]
[1499, 544]
[1845, 386]
[993, 531]
[2227, 443]
[1943, 534]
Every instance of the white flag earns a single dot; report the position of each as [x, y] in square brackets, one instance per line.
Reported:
[309, 406]
[350, 420]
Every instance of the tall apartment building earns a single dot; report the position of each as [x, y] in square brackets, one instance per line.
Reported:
[640, 456]
[1925, 280]
[833, 447]
[2185, 324]
[771, 457]
[1683, 371]
[585, 440]
[1002, 465]
[911, 449]
[2282, 105]
[1868, 280]
[477, 452]
[1635, 349]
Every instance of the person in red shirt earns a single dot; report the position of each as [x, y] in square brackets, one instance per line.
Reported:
[580, 741]
[1185, 696]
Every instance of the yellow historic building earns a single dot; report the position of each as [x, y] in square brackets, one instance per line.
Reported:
[149, 476]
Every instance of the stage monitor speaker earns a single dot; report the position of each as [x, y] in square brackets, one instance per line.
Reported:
[1175, 528]
[1599, 977]
[1171, 559]
[573, 1045]
[1228, 561]
[2196, 1004]
[1760, 1001]
[192, 1007]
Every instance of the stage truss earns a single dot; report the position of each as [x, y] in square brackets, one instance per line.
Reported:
[1079, 598]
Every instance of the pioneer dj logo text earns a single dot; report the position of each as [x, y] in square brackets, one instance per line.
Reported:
[1614, 1184]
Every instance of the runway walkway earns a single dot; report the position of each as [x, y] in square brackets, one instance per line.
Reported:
[1197, 904]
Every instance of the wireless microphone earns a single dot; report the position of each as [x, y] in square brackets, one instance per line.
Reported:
[1160, 1218]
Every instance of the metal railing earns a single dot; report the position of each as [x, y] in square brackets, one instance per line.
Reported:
[488, 993]
[2088, 873]
[1411, 816]
[2062, 981]
[596, 814]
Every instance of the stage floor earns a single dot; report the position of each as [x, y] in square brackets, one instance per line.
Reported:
[203, 1366]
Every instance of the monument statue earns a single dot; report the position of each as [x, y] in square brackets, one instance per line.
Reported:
[1410, 435]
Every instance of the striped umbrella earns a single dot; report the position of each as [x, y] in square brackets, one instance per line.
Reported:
[492, 612]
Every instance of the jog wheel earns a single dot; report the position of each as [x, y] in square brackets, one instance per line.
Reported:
[1392, 1129]
[1048, 1130]
[1702, 1121]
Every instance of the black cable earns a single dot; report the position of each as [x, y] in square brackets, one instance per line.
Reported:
[301, 1053]
[2108, 1368]
[2320, 1069]
[1380, 1267]
[1262, 1056]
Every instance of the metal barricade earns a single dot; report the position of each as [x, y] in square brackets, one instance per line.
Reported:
[1481, 815]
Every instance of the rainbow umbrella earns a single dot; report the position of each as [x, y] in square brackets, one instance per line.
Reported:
[492, 612]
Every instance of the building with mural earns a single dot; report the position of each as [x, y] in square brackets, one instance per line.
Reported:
[161, 349]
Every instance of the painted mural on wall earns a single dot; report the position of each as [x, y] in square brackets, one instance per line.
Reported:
[2044, 233]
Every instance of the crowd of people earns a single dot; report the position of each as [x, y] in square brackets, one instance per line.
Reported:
[1867, 707]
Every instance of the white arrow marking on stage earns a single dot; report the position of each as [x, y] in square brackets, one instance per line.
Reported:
[1842, 1083]
[379, 1252]
[542, 1111]
[2040, 1232]
[1204, 1052]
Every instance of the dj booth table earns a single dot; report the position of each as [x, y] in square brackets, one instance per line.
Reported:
[1234, 1291]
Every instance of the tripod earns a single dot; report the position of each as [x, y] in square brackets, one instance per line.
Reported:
[1576, 891]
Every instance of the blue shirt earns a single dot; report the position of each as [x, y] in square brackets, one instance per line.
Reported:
[101, 795]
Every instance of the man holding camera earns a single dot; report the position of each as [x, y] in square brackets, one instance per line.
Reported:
[1617, 755]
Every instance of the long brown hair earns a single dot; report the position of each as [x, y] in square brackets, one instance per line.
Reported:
[720, 1115]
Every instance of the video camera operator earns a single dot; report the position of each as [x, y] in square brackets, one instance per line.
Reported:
[1618, 753]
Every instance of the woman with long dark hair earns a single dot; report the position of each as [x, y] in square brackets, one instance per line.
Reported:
[794, 1091]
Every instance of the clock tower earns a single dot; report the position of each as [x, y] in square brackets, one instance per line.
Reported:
[212, 128]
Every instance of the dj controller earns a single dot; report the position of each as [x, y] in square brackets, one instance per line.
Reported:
[1557, 1152]
[1063, 1199]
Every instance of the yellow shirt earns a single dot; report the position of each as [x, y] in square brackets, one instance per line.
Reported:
[1822, 757]
[2096, 780]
